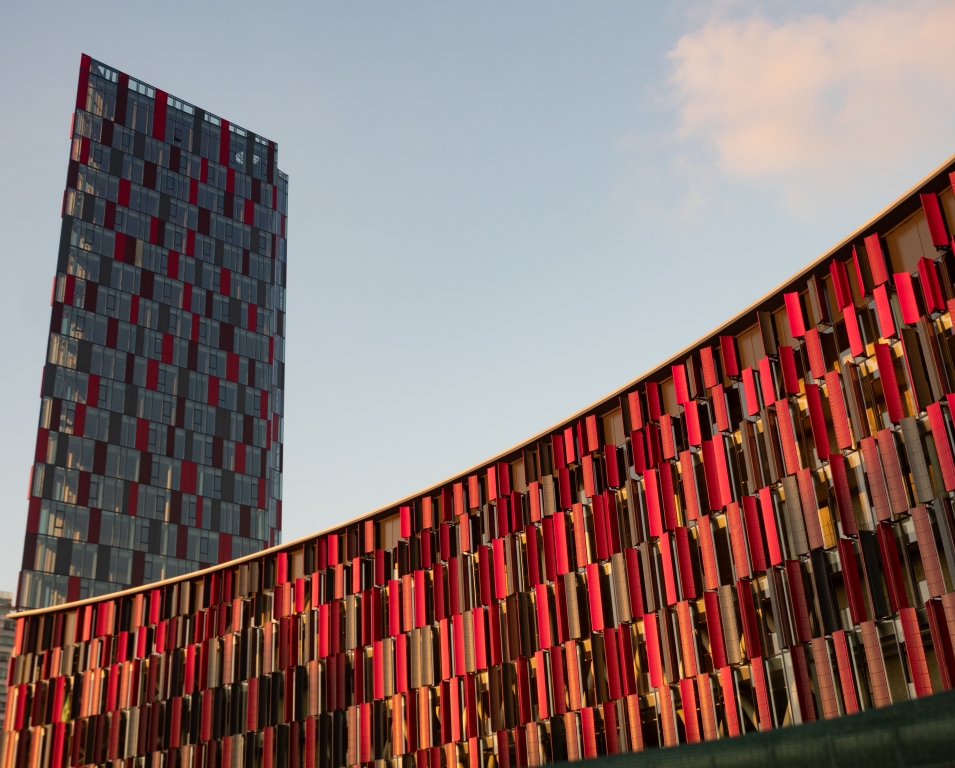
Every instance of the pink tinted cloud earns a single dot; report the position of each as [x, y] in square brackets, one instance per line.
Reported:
[815, 107]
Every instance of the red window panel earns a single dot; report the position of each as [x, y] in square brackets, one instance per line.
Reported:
[666, 436]
[943, 446]
[935, 219]
[737, 542]
[248, 212]
[840, 484]
[420, 598]
[786, 437]
[794, 312]
[654, 450]
[187, 478]
[807, 706]
[722, 471]
[876, 259]
[687, 639]
[798, 604]
[592, 434]
[685, 564]
[499, 569]
[927, 551]
[837, 406]
[749, 389]
[152, 373]
[474, 492]
[883, 310]
[817, 421]
[846, 678]
[654, 657]
[787, 361]
[754, 536]
[563, 484]
[587, 468]
[767, 511]
[907, 300]
[708, 363]
[560, 540]
[653, 400]
[611, 465]
[142, 435]
[767, 381]
[692, 420]
[707, 706]
[840, 283]
[719, 408]
[941, 643]
[666, 565]
[690, 720]
[625, 651]
[570, 448]
[579, 530]
[873, 470]
[688, 480]
[873, 653]
[82, 87]
[543, 617]
[611, 737]
[810, 508]
[634, 585]
[638, 447]
[680, 387]
[827, 689]
[817, 361]
[533, 557]
[550, 548]
[895, 485]
[601, 528]
[730, 710]
[668, 496]
[931, 288]
[636, 413]
[891, 567]
[654, 505]
[762, 695]
[595, 599]
[915, 651]
[503, 478]
[850, 577]
[711, 475]
[729, 356]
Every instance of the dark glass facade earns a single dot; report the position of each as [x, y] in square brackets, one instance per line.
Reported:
[159, 449]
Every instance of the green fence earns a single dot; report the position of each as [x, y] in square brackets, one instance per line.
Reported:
[914, 733]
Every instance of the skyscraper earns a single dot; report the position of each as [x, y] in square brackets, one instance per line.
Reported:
[159, 448]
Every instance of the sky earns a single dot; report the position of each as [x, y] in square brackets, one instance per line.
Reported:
[498, 212]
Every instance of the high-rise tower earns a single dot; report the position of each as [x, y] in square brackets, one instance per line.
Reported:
[159, 447]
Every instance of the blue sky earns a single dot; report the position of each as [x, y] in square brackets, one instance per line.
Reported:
[499, 212]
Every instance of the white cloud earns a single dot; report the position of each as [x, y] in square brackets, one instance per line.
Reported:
[816, 108]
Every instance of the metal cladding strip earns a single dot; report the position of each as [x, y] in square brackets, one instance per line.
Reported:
[827, 689]
[846, 679]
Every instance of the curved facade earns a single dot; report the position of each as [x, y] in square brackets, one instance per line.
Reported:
[756, 534]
